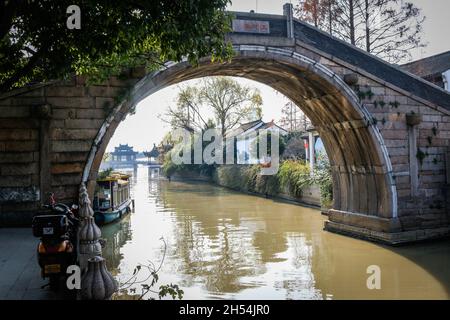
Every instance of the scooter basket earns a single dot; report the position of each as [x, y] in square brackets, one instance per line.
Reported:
[50, 226]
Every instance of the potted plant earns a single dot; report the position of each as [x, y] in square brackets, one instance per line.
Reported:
[413, 119]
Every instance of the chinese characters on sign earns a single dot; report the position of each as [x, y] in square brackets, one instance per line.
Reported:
[251, 26]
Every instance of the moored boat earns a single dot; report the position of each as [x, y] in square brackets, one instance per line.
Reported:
[112, 198]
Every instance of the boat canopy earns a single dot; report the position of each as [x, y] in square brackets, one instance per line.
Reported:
[122, 182]
[121, 178]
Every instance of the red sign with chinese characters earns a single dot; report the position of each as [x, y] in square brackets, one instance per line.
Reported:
[251, 26]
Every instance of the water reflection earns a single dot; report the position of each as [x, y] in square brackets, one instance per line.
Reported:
[117, 234]
[223, 244]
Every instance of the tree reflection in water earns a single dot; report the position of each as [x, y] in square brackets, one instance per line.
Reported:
[225, 247]
[116, 235]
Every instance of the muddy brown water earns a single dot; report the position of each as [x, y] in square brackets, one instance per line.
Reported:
[222, 244]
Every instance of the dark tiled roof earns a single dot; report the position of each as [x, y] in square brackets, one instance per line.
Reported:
[154, 153]
[271, 124]
[123, 149]
[430, 66]
[248, 125]
[243, 127]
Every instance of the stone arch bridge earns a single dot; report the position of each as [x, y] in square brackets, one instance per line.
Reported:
[386, 132]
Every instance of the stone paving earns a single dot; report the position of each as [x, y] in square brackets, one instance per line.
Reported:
[20, 277]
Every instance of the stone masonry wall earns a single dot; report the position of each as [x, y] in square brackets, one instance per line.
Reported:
[42, 153]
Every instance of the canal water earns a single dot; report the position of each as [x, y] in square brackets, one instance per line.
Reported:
[221, 244]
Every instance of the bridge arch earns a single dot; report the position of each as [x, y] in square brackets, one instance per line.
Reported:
[363, 183]
[391, 180]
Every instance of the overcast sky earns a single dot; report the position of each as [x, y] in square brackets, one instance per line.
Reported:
[144, 128]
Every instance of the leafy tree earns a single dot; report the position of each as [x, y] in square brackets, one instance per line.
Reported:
[36, 45]
[386, 28]
[337, 17]
[323, 14]
[346, 20]
[187, 113]
[229, 102]
[391, 28]
[312, 11]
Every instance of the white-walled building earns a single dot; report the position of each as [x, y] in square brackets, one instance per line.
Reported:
[246, 139]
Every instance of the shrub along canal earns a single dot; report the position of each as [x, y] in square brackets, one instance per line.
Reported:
[225, 244]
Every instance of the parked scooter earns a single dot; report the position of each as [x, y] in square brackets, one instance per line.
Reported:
[57, 250]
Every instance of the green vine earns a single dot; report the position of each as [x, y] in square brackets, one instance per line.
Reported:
[421, 155]
[394, 104]
[364, 94]
[434, 130]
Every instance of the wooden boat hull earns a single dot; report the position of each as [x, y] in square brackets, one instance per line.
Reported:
[105, 217]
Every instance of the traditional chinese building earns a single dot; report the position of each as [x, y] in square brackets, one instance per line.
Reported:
[153, 154]
[123, 153]
[246, 135]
